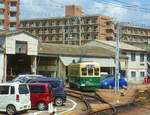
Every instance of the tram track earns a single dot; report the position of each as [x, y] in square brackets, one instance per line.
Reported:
[90, 100]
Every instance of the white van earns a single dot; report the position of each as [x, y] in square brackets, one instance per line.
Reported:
[14, 97]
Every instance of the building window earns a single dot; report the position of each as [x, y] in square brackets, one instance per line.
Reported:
[21, 47]
[133, 74]
[142, 74]
[13, 3]
[141, 57]
[132, 56]
[148, 57]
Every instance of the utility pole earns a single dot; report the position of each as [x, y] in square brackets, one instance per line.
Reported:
[117, 73]
[64, 33]
[79, 18]
[69, 31]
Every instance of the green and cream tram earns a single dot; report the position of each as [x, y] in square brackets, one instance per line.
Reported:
[84, 75]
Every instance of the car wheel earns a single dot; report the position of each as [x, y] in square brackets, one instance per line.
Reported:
[59, 101]
[11, 110]
[41, 106]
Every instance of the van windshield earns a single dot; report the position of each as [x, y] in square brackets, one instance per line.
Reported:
[23, 89]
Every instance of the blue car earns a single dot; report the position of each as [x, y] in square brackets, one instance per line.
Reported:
[109, 82]
[56, 83]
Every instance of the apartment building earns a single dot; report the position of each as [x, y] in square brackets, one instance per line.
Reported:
[71, 30]
[74, 28]
[135, 33]
[9, 14]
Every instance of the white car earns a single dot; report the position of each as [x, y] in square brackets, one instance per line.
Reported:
[14, 97]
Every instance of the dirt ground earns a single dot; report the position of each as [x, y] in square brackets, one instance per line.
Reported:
[137, 110]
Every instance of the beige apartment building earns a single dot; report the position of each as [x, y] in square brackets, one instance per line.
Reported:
[135, 33]
[9, 14]
[74, 28]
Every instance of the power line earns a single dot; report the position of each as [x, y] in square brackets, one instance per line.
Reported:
[122, 2]
[128, 7]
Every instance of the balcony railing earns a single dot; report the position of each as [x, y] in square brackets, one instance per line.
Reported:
[13, 8]
[12, 18]
[1, 16]
[12, 28]
[110, 35]
[2, 6]
[1, 27]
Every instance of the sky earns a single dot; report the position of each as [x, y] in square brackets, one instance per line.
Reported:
[133, 11]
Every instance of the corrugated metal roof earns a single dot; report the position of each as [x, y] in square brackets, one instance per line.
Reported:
[73, 50]
[145, 46]
[104, 62]
[123, 46]
[10, 33]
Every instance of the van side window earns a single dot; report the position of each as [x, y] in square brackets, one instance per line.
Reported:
[12, 91]
[4, 89]
[23, 89]
[37, 89]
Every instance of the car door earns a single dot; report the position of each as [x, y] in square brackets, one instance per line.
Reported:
[4, 97]
[36, 92]
[24, 94]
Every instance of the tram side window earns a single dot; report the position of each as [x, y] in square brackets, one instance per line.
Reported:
[90, 71]
[84, 71]
[97, 71]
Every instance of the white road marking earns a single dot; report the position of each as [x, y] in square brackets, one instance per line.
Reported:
[36, 113]
[73, 107]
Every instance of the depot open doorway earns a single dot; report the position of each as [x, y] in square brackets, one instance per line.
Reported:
[18, 64]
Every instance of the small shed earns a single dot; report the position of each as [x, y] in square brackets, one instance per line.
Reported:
[19, 54]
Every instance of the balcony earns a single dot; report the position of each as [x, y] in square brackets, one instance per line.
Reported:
[13, 8]
[110, 35]
[12, 28]
[12, 18]
[2, 6]
[1, 17]
[111, 27]
[1, 27]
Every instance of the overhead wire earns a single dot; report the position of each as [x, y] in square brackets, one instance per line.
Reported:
[122, 2]
[125, 6]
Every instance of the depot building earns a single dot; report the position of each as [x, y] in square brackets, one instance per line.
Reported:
[23, 53]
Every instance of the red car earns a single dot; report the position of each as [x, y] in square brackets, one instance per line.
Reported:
[40, 95]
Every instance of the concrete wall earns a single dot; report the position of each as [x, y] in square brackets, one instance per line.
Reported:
[137, 67]
[32, 43]
[1, 66]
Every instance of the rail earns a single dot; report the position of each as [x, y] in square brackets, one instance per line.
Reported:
[91, 99]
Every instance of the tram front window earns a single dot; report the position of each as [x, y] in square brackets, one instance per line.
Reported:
[90, 71]
[97, 71]
[84, 71]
